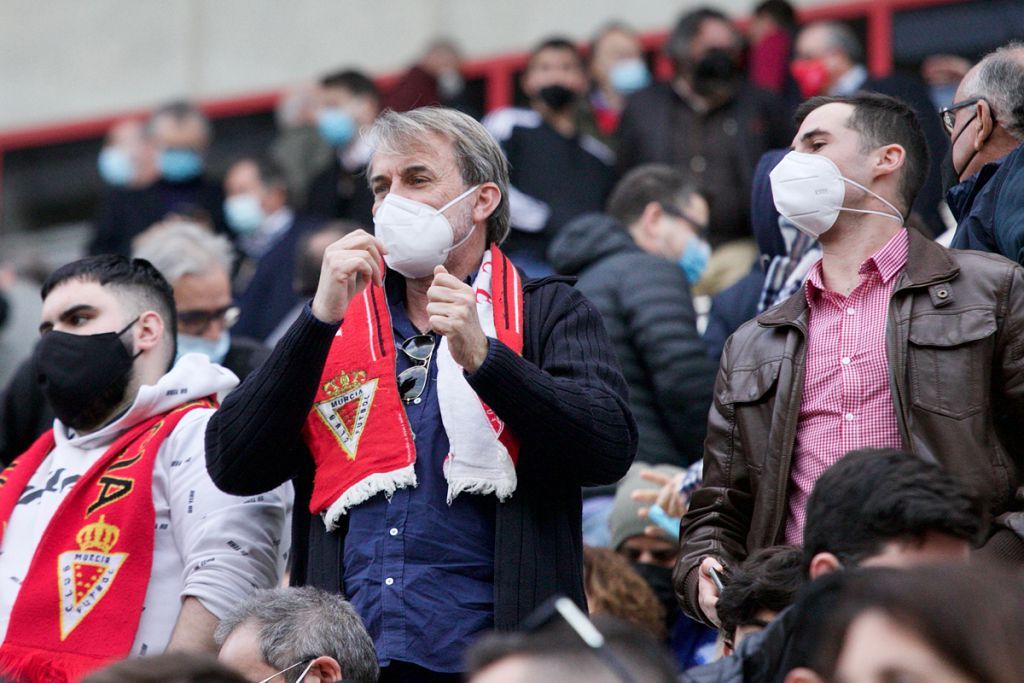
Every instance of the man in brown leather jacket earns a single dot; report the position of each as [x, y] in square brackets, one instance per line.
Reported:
[894, 341]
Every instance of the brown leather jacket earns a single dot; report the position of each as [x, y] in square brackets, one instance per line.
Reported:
[955, 342]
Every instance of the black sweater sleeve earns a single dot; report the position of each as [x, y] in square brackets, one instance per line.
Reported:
[566, 399]
[254, 441]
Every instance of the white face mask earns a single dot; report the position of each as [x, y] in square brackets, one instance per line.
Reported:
[418, 237]
[809, 190]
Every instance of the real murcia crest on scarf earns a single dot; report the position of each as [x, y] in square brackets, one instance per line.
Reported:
[347, 408]
[86, 574]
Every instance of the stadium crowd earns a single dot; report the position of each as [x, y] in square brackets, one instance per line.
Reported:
[711, 378]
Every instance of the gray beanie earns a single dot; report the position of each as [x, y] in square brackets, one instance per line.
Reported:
[624, 522]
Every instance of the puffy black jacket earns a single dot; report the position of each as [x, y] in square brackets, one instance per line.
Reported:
[646, 306]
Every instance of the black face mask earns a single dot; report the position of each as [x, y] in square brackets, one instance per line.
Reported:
[84, 377]
[715, 73]
[660, 580]
[952, 144]
[556, 97]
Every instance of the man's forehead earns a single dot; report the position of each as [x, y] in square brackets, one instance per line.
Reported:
[433, 153]
[830, 118]
[76, 292]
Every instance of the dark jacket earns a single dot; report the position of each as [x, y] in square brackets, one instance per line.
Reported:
[336, 192]
[565, 398]
[645, 303]
[720, 147]
[25, 413]
[989, 208]
[953, 340]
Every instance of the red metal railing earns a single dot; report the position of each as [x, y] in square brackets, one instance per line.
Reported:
[497, 72]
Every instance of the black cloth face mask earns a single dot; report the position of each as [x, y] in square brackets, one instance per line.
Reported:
[84, 376]
[556, 97]
[716, 73]
[660, 580]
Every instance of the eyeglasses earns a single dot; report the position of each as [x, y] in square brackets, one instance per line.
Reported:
[948, 114]
[413, 379]
[701, 228]
[198, 322]
[296, 664]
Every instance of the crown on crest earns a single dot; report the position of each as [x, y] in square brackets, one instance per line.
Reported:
[344, 383]
[98, 536]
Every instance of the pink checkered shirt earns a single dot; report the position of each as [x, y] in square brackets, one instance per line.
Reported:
[846, 401]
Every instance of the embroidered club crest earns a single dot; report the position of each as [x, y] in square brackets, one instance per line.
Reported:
[347, 407]
[85, 575]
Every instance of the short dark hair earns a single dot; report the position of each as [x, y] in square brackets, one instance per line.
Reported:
[179, 111]
[170, 667]
[271, 174]
[138, 284]
[874, 496]
[969, 614]
[309, 261]
[356, 82]
[883, 120]
[677, 46]
[780, 11]
[555, 43]
[769, 580]
[556, 653]
[645, 184]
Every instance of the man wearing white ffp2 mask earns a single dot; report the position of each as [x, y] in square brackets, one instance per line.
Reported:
[892, 342]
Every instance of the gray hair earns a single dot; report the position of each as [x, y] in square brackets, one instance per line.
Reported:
[842, 38]
[179, 248]
[999, 78]
[478, 155]
[305, 623]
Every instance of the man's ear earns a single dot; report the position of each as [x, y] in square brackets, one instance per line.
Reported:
[803, 675]
[823, 563]
[149, 331]
[984, 123]
[890, 159]
[324, 670]
[488, 198]
[649, 219]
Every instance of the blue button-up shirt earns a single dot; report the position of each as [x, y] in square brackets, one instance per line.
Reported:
[418, 571]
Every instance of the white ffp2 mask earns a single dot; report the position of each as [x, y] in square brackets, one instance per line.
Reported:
[418, 237]
[809, 190]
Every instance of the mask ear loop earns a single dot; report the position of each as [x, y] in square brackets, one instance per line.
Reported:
[899, 214]
[471, 230]
[128, 327]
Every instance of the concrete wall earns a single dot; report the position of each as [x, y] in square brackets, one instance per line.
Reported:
[68, 59]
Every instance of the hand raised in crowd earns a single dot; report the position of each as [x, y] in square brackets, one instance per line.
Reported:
[451, 305]
[667, 497]
[348, 266]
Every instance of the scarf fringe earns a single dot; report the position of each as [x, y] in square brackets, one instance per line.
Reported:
[363, 490]
[32, 665]
[503, 489]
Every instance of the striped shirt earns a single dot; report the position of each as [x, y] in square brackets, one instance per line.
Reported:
[847, 403]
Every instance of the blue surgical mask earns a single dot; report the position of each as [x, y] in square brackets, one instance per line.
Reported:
[336, 126]
[216, 350]
[244, 213]
[180, 164]
[695, 258]
[629, 75]
[116, 166]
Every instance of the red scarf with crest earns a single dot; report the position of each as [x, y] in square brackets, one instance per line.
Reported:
[80, 603]
[358, 431]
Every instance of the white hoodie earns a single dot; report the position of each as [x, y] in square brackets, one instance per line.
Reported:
[208, 544]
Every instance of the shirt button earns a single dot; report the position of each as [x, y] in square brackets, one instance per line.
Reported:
[388, 581]
[849, 417]
[393, 532]
[417, 400]
[851, 311]
[845, 360]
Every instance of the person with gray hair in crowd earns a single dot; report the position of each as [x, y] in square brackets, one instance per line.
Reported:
[438, 414]
[179, 135]
[197, 263]
[303, 633]
[986, 126]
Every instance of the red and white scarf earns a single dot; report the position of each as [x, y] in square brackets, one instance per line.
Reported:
[358, 431]
[81, 601]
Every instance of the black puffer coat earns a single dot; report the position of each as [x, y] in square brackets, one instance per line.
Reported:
[646, 306]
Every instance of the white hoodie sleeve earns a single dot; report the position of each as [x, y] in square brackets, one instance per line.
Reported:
[228, 545]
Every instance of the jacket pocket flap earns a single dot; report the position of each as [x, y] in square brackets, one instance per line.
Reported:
[748, 385]
[952, 329]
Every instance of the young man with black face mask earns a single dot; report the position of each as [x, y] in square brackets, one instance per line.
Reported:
[115, 541]
[709, 121]
[558, 170]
